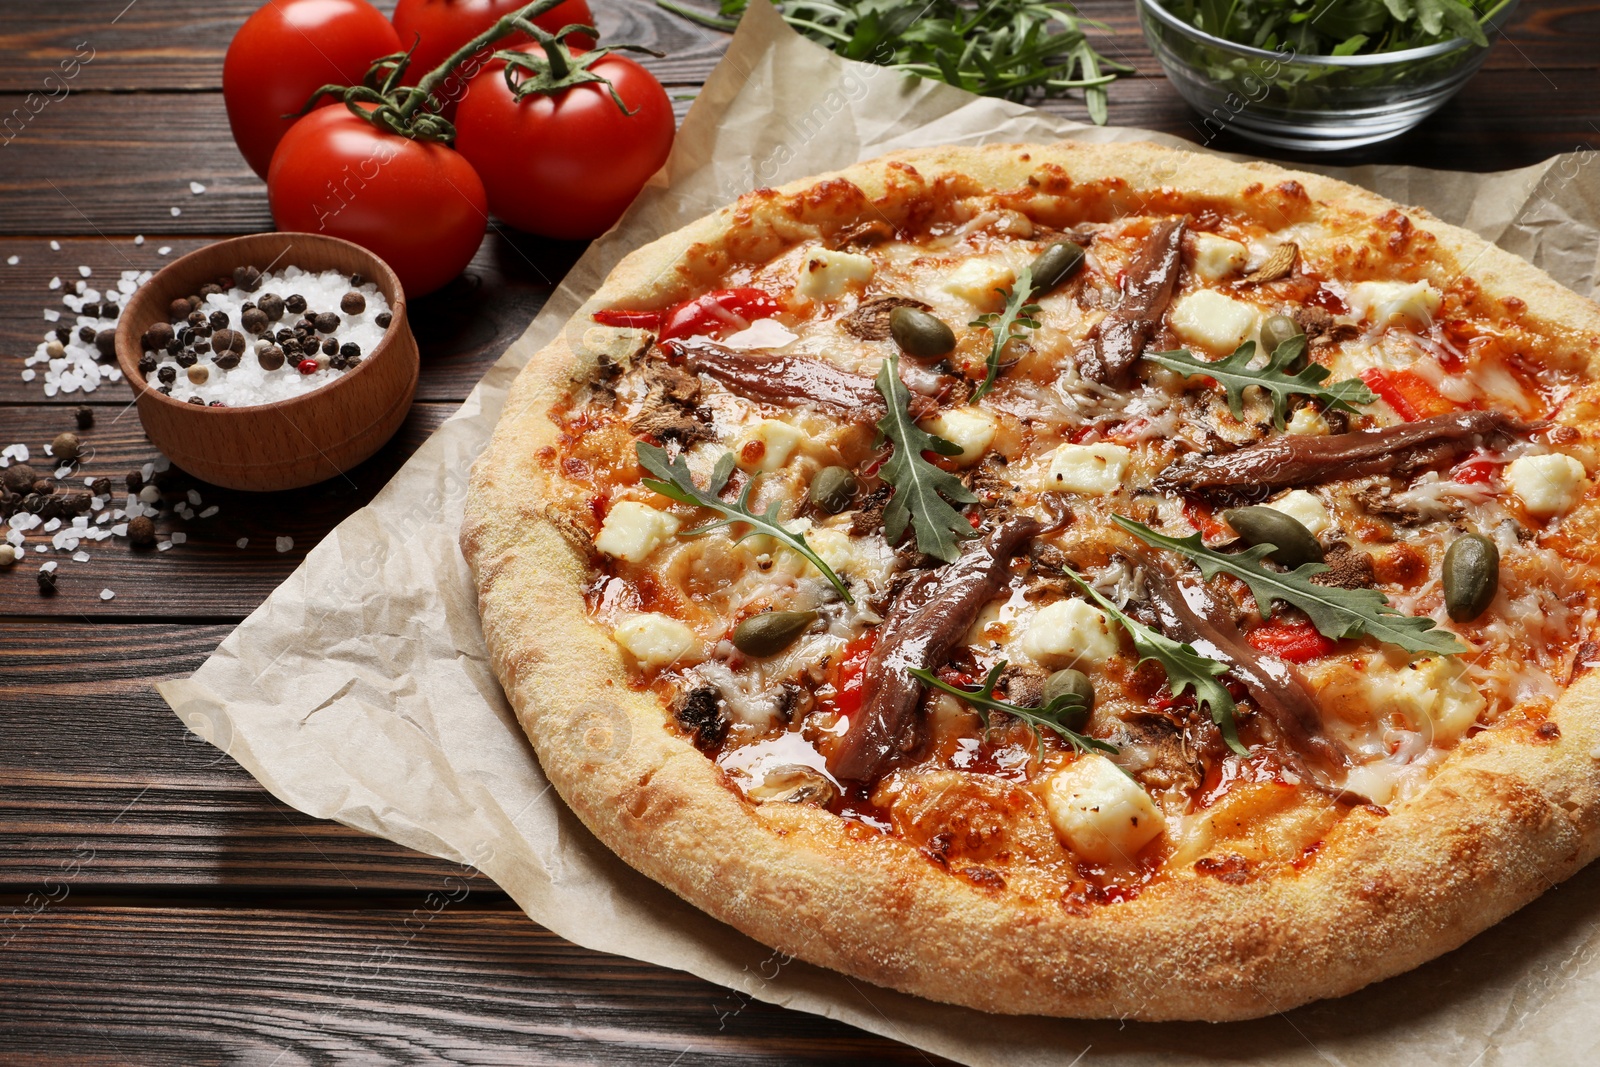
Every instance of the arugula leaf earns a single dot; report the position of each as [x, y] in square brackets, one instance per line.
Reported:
[1338, 27]
[1005, 325]
[1185, 667]
[1235, 375]
[672, 479]
[1335, 612]
[1048, 717]
[923, 493]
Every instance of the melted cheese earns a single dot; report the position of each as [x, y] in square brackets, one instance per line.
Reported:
[655, 640]
[1381, 303]
[1070, 633]
[1547, 485]
[826, 274]
[1216, 258]
[970, 428]
[1304, 508]
[633, 530]
[1210, 320]
[1089, 470]
[1101, 813]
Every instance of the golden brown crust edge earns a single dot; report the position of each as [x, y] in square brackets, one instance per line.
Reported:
[1506, 817]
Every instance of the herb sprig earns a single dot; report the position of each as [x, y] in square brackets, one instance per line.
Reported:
[1005, 48]
[1336, 613]
[1050, 717]
[1006, 325]
[924, 495]
[1186, 668]
[1339, 27]
[1275, 377]
[672, 479]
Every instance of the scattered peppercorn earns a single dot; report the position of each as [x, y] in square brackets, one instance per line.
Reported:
[224, 340]
[100, 487]
[55, 349]
[352, 303]
[272, 307]
[197, 402]
[134, 480]
[271, 358]
[47, 583]
[174, 347]
[227, 360]
[86, 333]
[218, 320]
[190, 357]
[210, 289]
[357, 280]
[178, 310]
[330, 346]
[326, 322]
[141, 532]
[295, 304]
[383, 318]
[254, 320]
[168, 375]
[63, 333]
[247, 278]
[216, 404]
[65, 446]
[106, 342]
[19, 477]
[157, 336]
[85, 417]
[350, 350]
[8, 555]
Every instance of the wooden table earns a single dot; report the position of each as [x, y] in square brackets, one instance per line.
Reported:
[158, 905]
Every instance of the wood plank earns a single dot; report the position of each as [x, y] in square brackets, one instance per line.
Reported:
[1502, 119]
[97, 768]
[461, 329]
[209, 575]
[179, 44]
[436, 980]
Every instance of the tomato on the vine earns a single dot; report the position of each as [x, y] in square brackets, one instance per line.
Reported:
[439, 27]
[416, 204]
[285, 52]
[566, 164]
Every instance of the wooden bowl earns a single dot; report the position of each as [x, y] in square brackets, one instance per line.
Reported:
[289, 443]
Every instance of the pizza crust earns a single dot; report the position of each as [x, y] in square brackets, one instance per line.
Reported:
[1510, 812]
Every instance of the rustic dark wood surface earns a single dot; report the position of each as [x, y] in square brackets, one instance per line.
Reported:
[156, 905]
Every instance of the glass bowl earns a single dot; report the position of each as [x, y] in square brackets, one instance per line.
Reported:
[1316, 103]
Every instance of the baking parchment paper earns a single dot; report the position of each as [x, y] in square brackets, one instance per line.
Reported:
[360, 691]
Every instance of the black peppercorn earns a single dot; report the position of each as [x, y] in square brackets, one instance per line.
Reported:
[164, 390]
[147, 363]
[329, 347]
[227, 360]
[352, 303]
[84, 417]
[383, 318]
[247, 278]
[32, 502]
[106, 343]
[216, 404]
[218, 320]
[210, 289]
[100, 487]
[197, 402]
[134, 480]
[90, 310]
[47, 583]
[292, 348]
[189, 357]
[174, 346]
[350, 350]
[108, 310]
[157, 336]
[196, 318]
[295, 304]
[43, 487]
[272, 306]
[86, 333]
[167, 374]
[63, 333]
[326, 322]
[254, 320]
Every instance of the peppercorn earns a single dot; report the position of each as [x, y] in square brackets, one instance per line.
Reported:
[326, 322]
[68, 502]
[353, 362]
[47, 583]
[157, 336]
[295, 304]
[357, 280]
[190, 357]
[283, 335]
[65, 446]
[164, 390]
[293, 349]
[350, 350]
[330, 346]
[307, 366]
[8, 555]
[272, 307]
[100, 486]
[270, 358]
[227, 360]
[55, 350]
[86, 334]
[134, 480]
[247, 278]
[174, 347]
[90, 310]
[109, 310]
[195, 318]
[32, 502]
[211, 289]
[383, 318]
[254, 320]
[167, 374]
[178, 310]
[63, 333]
[198, 374]
[352, 303]
[216, 404]
[224, 340]
[106, 342]
[218, 320]
[141, 532]
[84, 417]
[18, 477]
[197, 402]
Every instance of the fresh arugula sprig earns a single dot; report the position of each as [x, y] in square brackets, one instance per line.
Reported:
[1336, 613]
[1005, 48]
[1006, 325]
[924, 495]
[1186, 669]
[672, 479]
[1275, 377]
[1339, 27]
[1050, 717]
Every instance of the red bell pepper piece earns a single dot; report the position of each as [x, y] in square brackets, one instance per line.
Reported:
[720, 311]
[1297, 642]
[1411, 395]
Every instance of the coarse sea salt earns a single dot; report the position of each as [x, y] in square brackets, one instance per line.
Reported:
[249, 383]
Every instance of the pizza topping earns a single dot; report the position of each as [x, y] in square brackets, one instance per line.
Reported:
[1470, 576]
[983, 283]
[1088, 470]
[871, 319]
[791, 380]
[632, 530]
[1292, 542]
[971, 429]
[1101, 813]
[1216, 258]
[655, 640]
[1120, 337]
[714, 314]
[923, 495]
[771, 632]
[1381, 303]
[1064, 712]
[930, 617]
[1068, 632]
[703, 716]
[1214, 321]
[1006, 326]
[1298, 459]
[1547, 485]
[1306, 509]
[1284, 376]
[833, 489]
[920, 334]
[1053, 266]
[767, 446]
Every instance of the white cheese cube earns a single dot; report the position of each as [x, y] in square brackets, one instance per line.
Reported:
[767, 446]
[654, 640]
[1070, 633]
[1089, 470]
[1547, 485]
[1102, 814]
[1432, 689]
[866, 558]
[976, 282]
[825, 273]
[633, 530]
[1304, 508]
[1309, 421]
[1215, 258]
[1375, 781]
[1382, 302]
[1210, 320]
[970, 427]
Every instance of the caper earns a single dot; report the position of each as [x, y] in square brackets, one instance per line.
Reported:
[1071, 683]
[1055, 265]
[771, 632]
[1471, 576]
[1294, 544]
[920, 334]
[832, 489]
[1277, 330]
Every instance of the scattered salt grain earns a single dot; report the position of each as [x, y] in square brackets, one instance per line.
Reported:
[84, 272]
[13, 260]
[120, 530]
[63, 472]
[41, 549]
[80, 557]
[179, 537]
[208, 512]
[196, 188]
[48, 567]
[106, 594]
[52, 315]
[52, 526]
[29, 375]
[243, 542]
[194, 497]
[162, 546]
[285, 544]
[55, 246]
[177, 211]
[55, 283]
[159, 464]
[138, 239]
[164, 250]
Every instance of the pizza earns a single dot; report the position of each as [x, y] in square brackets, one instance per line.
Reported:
[1075, 580]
